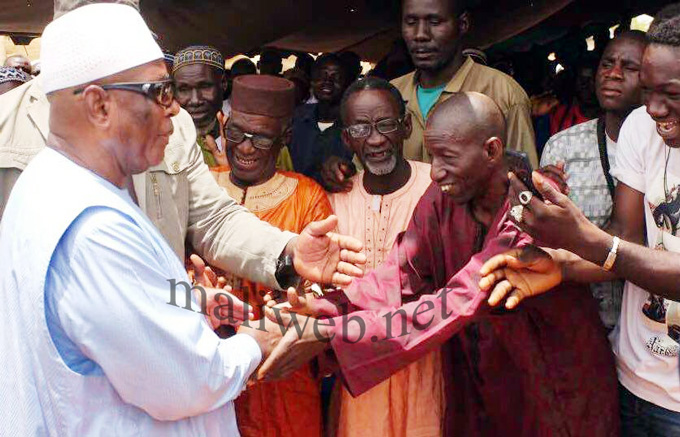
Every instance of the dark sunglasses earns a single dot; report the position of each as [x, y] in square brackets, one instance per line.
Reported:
[162, 92]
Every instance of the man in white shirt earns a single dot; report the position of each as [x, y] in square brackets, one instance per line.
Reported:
[100, 344]
[647, 210]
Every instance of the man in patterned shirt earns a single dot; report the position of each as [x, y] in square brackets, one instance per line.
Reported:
[587, 151]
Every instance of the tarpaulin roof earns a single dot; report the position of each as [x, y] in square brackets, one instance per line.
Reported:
[367, 27]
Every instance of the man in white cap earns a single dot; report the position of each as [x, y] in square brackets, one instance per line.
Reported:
[179, 195]
[95, 347]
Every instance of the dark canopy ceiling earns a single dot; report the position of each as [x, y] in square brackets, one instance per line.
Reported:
[367, 27]
[239, 26]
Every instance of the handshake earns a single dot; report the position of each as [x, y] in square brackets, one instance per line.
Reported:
[289, 336]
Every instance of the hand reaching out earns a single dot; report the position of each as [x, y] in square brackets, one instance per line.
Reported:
[304, 339]
[521, 273]
[221, 307]
[327, 257]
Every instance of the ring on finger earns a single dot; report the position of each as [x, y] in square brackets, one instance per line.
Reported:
[525, 197]
[517, 213]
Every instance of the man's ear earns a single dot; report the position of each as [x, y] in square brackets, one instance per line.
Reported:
[494, 149]
[408, 126]
[287, 135]
[98, 104]
[346, 140]
[464, 23]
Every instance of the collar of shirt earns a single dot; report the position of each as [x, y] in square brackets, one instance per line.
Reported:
[454, 85]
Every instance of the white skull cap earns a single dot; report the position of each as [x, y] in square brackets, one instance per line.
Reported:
[93, 42]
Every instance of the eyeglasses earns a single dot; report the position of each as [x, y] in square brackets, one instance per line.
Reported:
[363, 130]
[237, 136]
[162, 92]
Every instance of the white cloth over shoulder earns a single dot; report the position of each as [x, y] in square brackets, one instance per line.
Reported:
[97, 349]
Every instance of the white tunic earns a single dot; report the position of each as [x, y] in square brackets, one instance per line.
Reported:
[90, 344]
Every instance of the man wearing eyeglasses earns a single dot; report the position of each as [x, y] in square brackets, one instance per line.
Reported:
[101, 344]
[259, 126]
[376, 210]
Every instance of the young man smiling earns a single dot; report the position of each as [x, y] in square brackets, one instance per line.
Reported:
[645, 211]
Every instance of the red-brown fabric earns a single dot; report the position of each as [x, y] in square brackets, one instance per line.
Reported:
[565, 116]
[263, 95]
[545, 369]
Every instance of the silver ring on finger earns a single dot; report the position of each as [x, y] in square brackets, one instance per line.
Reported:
[525, 197]
[517, 213]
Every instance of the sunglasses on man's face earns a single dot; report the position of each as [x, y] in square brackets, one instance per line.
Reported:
[162, 92]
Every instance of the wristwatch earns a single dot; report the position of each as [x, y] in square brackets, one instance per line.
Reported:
[285, 274]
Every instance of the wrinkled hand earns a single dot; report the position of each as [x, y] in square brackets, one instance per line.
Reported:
[221, 307]
[558, 175]
[335, 174]
[211, 144]
[557, 222]
[304, 339]
[521, 273]
[326, 257]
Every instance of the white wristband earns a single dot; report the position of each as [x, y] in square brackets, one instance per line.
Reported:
[611, 257]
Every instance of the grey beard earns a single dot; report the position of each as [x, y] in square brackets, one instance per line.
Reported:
[382, 169]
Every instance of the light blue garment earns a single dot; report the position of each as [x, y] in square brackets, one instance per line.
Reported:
[427, 97]
[96, 349]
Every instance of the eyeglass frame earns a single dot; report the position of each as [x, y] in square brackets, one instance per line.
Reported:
[374, 125]
[143, 88]
[252, 138]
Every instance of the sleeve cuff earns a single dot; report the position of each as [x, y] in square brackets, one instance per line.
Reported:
[637, 184]
[246, 345]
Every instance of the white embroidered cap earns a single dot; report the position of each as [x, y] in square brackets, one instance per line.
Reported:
[93, 42]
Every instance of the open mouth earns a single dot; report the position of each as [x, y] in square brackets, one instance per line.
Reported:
[245, 162]
[668, 129]
[378, 156]
[446, 188]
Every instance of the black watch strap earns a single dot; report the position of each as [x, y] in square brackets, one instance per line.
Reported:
[285, 274]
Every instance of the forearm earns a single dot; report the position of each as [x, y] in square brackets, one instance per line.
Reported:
[654, 270]
[577, 269]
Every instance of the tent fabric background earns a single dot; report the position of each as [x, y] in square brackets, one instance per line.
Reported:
[367, 27]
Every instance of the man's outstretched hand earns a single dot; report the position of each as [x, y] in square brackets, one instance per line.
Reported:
[325, 257]
[521, 273]
[304, 339]
[222, 307]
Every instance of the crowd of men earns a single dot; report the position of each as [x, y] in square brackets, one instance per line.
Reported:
[313, 252]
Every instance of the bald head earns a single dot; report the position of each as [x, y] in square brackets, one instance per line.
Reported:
[469, 115]
[465, 136]
[20, 62]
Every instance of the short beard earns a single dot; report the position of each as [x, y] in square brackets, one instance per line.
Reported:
[383, 168]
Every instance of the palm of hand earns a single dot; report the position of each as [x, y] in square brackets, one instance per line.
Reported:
[316, 257]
